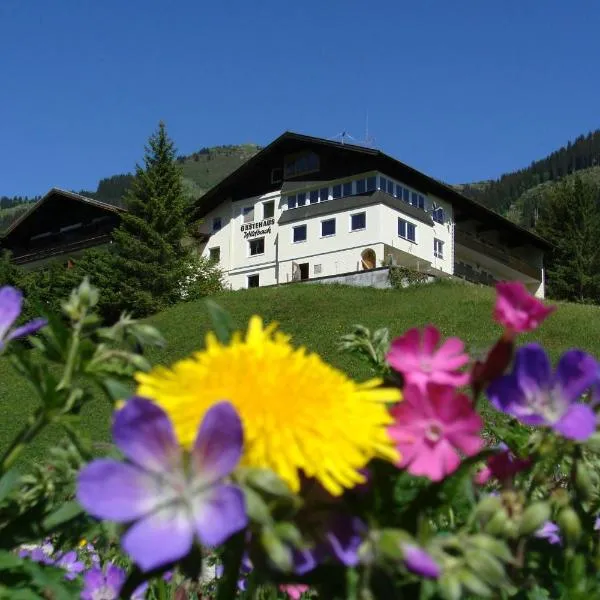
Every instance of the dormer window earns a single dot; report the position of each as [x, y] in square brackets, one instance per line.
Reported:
[300, 164]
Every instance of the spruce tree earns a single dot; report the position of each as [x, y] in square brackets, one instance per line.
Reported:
[570, 220]
[149, 256]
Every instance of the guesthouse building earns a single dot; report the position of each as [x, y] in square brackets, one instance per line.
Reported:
[308, 208]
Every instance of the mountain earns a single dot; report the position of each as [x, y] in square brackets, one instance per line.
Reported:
[201, 171]
[517, 194]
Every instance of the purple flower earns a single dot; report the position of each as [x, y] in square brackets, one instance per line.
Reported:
[549, 531]
[168, 500]
[420, 562]
[99, 585]
[70, 563]
[340, 540]
[536, 396]
[11, 303]
[38, 553]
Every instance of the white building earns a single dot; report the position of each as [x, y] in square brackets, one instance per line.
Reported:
[306, 207]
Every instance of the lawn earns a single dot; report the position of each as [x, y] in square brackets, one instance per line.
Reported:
[316, 316]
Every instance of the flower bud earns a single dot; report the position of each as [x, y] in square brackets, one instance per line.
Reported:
[496, 526]
[583, 481]
[488, 507]
[570, 525]
[534, 517]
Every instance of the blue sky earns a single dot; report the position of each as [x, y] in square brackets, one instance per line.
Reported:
[463, 90]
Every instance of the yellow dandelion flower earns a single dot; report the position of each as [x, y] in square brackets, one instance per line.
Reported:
[298, 412]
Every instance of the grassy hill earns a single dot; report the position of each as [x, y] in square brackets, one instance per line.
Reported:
[316, 317]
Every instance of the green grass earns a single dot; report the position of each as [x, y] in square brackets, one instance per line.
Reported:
[316, 316]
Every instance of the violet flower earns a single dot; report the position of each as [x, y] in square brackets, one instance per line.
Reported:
[106, 585]
[71, 564]
[420, 562]
[550, 532]
[536, 396]
[168, 500]
[11, 304]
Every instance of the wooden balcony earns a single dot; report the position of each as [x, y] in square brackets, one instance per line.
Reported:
[506, 258]
[27, 256]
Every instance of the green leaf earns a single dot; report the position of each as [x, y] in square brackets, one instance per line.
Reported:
[222, 323]
[67, 512]
[256, 507]
[8, 560]
[8, 482]
[116, 390]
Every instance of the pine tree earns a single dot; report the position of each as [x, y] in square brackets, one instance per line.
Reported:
[150, 258]
[570, 220]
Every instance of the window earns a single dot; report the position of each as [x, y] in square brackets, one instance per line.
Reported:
[300, 164]
[336, 191]
[398, 191]
[406, 230]
[216, 225]
[257, 246]
[253, 281]
[299, 233]
[314, 196]
[360, 186]
[421, 202]
[276, 175]
[291, 201]
[317, 269]
[324, 194]
[406, 195]
[358, 221]
[371, 183]
[438, 248]
[414, 198]
[214, 254]
[248, 212]
[390, 187]
[268, 209]
[301, 198]
[438, 215]
[348, 189]
[327, 227]
[382, 183]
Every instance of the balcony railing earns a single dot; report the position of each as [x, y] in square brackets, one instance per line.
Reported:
[28, 256]
[469, 241]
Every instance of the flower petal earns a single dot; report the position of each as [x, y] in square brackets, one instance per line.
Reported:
[345, 537]
[27, 329]
[145, 435]
[578, 423]
[218, 446]
[431, 337]
[532, 369]
[11, 301]
[505, 394]
[161, 538]
[575, 373]
[420, 562]
[108, 489]
[218, 513]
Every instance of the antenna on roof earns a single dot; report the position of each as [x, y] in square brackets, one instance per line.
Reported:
[344, 136]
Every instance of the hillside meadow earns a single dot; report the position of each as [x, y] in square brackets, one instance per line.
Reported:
[316, 316]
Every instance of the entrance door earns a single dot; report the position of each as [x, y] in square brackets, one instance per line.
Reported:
[303, 270]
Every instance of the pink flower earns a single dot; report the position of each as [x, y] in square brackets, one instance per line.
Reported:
[420, 363]
[294, 591]
[517, 309]
[430, 428]
[503, 466]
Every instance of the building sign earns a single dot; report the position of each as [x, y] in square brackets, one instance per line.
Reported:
[258, 228]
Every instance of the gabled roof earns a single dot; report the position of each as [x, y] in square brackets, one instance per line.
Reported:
[60, 192]
[386, 164]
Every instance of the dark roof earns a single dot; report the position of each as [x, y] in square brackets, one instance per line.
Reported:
[350, 203]
[59, 192]
[291, 142]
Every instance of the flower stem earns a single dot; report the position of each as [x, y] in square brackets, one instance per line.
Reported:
[31, 429]
[232, 562]
[72, 355]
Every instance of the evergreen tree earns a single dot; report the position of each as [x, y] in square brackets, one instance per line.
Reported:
[570, 219]
[150, 258]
